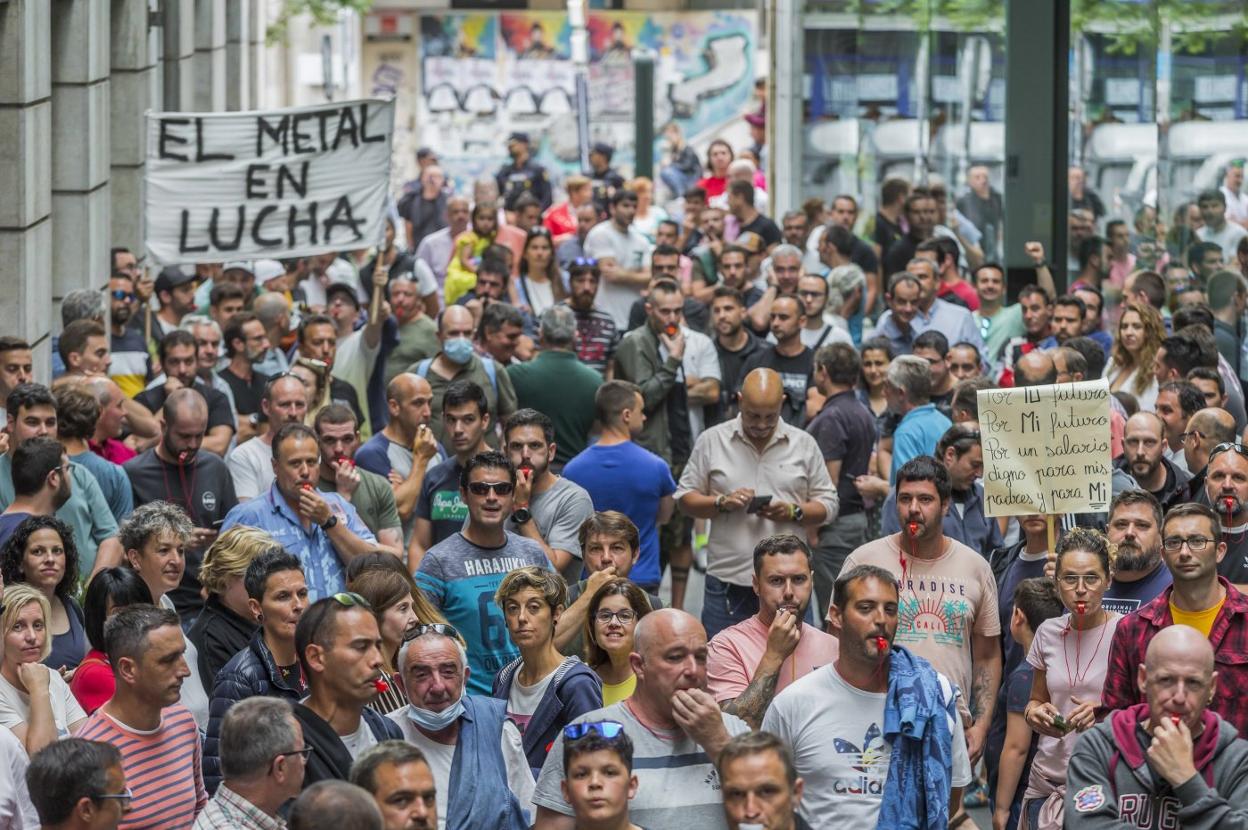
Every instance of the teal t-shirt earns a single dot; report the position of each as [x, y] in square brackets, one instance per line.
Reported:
[1000, 329]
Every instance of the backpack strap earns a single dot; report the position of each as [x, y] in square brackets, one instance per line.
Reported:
[422, 368]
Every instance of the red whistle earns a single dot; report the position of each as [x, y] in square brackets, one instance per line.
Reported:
[381, 686]
[342, 459]
[913, 527]
[882, 645]
[527, 469]
[1228, 502]
[1081, 608]
[305, 485]
[672, 330]
[182, 456]
[1175, 718]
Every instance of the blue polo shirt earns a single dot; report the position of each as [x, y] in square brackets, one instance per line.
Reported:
[917, 434]
[323, 569]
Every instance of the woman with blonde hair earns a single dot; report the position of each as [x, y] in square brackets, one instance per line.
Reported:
[226, 625]
[1136, 343]
[34, 701]
[399, 607]
[610, 622]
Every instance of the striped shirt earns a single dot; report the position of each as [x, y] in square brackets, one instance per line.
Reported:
[162, 768]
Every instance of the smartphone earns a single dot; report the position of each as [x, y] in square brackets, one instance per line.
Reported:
[757, 503]
[217, 524]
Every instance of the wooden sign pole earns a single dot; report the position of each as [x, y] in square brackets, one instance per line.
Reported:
[1051, 522]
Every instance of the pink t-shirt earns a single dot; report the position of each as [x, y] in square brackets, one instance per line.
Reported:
[943, 601]
[1074, 665]
[733, 654]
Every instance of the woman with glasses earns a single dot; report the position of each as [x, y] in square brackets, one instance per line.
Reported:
[544, 690]
[541, 281]
[1139, 336]
[111, 590]
[1070, 655]
[34, 701]
[399, 607]
[42, 554]
[610, 622]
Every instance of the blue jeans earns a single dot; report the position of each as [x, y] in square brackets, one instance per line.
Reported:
[725, 605]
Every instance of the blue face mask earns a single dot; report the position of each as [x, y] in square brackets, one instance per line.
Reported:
[458, 350]
[435, 721]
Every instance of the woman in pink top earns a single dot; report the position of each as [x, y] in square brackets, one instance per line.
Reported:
[1070, 655]
[718, 156]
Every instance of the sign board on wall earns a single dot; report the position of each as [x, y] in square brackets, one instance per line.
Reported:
[248, 185]
[1046, 449]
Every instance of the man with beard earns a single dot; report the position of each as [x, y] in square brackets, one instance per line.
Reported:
[370, 494]
[1069, 312]
[622, 252]
[40, 487]
[246, 344]
[708, 255]
[1144, 442]
[746, 662]
[1037, 308]
[132, 363]
[921, 214]
[180, 359]
[176, 471]
[1226, 488]
[548, 509]
[597, 336]
[734, 343]
[1139, 574]
[791, 359]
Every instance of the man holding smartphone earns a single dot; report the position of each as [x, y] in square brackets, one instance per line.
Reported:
[756, 476]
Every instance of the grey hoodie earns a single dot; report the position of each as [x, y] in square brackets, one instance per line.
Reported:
[1110, 785]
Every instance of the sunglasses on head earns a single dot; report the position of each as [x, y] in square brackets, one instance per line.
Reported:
[1228, 445]
[422, 629]
[587, 261]
[351, 600]
[481, 488]
[608, 729]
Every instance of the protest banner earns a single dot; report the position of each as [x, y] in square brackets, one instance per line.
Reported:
[1046, 449]
[249, 185]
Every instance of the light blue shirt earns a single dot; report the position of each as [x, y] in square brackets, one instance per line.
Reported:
[917, 434]
[902, 341]
[323, 568]
[956, 323]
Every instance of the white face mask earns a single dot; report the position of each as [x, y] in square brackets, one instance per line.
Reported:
[436, 721]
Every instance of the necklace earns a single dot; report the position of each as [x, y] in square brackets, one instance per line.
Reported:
[1079, 676]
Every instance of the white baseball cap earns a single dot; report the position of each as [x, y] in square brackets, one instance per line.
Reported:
[267, 269]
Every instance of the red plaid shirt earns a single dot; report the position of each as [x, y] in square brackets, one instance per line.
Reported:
[1229, 636]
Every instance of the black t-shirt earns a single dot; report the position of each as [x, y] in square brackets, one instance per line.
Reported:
[342, 392]
[204, 489]
[845, 431]
[731, 365]
[898, 255]
[1234, 566]
[766, 229]
[247, 394]
[863, 255]
[219, 411]
[797, 375]
[886, 232]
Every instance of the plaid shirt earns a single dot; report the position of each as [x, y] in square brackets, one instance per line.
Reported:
[227, 810]
[1229, 636]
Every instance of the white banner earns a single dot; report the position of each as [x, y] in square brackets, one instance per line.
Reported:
[249, 185]
[1046, 449]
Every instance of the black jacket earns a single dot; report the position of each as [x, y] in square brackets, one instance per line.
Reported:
[250, 673]
[330, 759]
[218, 634]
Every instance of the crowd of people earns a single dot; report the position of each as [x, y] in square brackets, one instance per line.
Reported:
[376, 539]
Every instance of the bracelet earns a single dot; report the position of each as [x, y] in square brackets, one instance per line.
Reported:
[719, 503]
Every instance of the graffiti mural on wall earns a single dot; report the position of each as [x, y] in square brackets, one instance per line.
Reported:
[485, 75]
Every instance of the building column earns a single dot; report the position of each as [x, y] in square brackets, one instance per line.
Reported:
[1037, 49]
[257, 79]
[238, 55]
[133, 71]
[26, 175]
[178, 58]
[210, 74]
[81, 211]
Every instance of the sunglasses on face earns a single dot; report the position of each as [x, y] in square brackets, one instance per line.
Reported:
[608, 729]
[122, 296]
[587, 261]
[482, 488]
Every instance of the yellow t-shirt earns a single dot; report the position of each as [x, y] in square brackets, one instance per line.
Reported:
[615, 692]
[1202, 621]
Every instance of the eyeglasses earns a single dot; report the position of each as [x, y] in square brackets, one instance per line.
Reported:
[1228, 445]
[125, 798]
[625, 616]
[608, 729]
[305, 752]
[1092, 581]
[432, 628]
[351, 599]
[482, 488]
[1194, 543]
[1183, 436]
[125, 296]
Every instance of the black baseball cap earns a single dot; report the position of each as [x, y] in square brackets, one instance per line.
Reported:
[171, 276]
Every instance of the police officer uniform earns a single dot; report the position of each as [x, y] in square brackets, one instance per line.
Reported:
[514, 179]
[606, 182]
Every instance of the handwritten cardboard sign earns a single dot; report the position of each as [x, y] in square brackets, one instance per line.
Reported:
[1046, 449]
[248, 185]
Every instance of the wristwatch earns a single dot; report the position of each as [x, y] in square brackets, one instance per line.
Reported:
[521, 515]
[719, 503]
[798, 514]
[330, 522]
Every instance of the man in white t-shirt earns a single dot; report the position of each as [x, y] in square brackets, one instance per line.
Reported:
[1213, 210]
[441, 719]
[622, 253]
[1236, 202]
[284, 401]
[355, 358]
[833, 719]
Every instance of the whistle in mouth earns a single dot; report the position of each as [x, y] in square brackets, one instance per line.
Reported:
[671, 330]
[1081, 608]
[1228, 504]
[182, 456]
[1175, 718]
[305, 485]
[913, 527]
[881, 644]
[381, 686]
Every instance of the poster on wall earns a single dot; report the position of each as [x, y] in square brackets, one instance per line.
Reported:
[486, 75]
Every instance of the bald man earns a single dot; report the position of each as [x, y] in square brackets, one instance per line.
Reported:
[284, 401]
[1036, 368]
[1167, 762]
[1143, 456]
[179, 471]
[756, 476]
[676, 728]
[335, 804]
[393, 452]
[1204, 431]
[457, 360]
